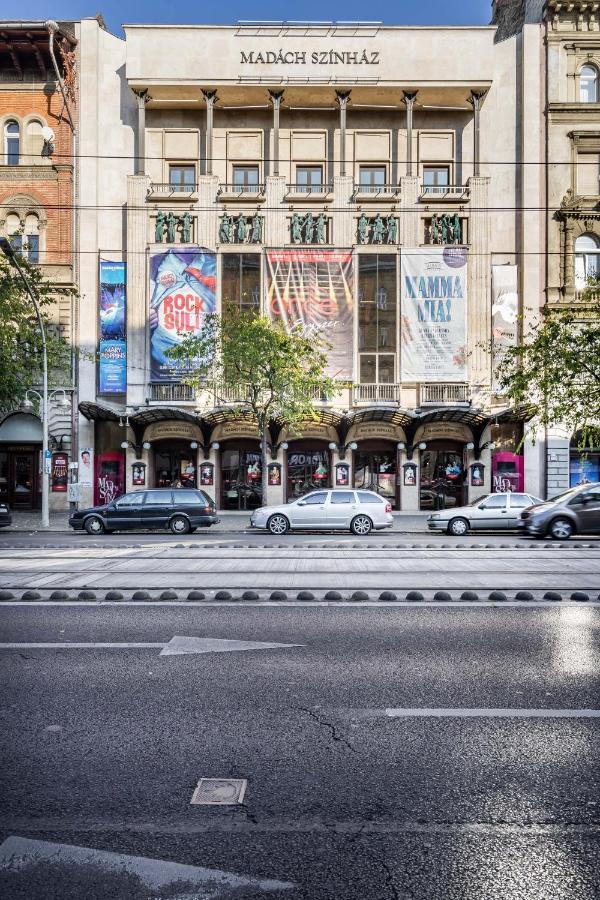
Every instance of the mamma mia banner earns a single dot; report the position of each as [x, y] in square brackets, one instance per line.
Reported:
[433, 294]
[314, 289]
[182, 293]
[112, 349]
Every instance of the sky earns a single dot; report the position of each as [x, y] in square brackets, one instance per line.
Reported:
[392, 12]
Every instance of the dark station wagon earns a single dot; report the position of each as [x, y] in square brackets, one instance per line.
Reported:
[181, 510]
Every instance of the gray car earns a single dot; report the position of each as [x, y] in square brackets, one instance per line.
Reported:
[328, 510]
[576, 511]
[493, 512]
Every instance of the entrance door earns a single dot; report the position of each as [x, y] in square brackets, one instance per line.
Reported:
[442, 476]
[174, 467]
[22, 483]
[241, 479]
[376, 471]
[307, 469]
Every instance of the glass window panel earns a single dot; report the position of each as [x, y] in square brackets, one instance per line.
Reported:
[189, 498]
[315, 499]
[368, 369]
[245, 176]
[386, 369]
[377, 317]
[497, 501]
[309, 177]
[520, 500]
[240, 280]
[159, 498]
[342, 497]
[250, 285]
[131, 499]
[182, 176]
[436, 175]
[588, 85]
[366, 497]
[12, 143]
[33, 248]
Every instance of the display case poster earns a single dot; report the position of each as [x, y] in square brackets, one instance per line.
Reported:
[112, 349]
[433, 296]
[86, 465]
[313, 290]
[60, 473]
[182, 293]
[505, 311]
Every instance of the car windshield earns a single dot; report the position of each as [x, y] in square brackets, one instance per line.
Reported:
[564, 494]
[479, 499]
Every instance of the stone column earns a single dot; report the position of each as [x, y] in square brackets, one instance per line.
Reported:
[479, 309]
[343, 217]
[140, 161]
[342, 98]
[207, 221]
[210, 98]
[276, 98]
[409, 101]
[138, 373]
[569, 258]
[277, 232]
[409, 212]
[475, 100]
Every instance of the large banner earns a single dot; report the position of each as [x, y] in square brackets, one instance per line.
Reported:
[433, 296]
[182, 293]
[314, 289]
[112, 349]
[505, 312]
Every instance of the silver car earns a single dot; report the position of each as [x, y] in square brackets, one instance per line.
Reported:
[494, 512]
[359, 511]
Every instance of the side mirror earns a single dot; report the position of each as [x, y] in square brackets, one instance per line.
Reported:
[585, 499]
[301, 503]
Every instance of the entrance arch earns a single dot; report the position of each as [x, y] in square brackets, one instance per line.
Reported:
[443, 475]
[375, 468]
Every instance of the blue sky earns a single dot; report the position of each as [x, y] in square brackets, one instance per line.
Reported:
[398, 12]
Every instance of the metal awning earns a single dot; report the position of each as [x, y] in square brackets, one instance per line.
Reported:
[391, 414]
[221, 414]
[474, 418]
[151, 414]
[95, 412]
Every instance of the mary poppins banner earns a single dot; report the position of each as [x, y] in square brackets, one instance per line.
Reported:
[433, 292]
[313, 289]
[183, 290]
[112, 350]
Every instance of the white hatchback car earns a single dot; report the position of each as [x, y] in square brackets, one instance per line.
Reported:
[358, 511]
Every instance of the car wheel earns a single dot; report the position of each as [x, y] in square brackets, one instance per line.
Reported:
[278, 524]
[361, 525]
[179, 525]
[561, 529]
[94, 525]
[458, 527]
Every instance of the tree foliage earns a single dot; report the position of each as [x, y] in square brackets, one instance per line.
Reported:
[276, 373]
[20, 338]
[555, 372]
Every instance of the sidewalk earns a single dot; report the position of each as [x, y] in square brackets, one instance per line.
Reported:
[26, 522]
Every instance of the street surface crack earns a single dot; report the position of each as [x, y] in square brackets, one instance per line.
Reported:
[332, 728]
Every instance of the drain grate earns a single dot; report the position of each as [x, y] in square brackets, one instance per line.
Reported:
[219, 791]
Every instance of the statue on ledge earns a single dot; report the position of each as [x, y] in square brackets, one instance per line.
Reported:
[363, 229]
[171, 223]
[257, 229]
[159, 227]
[186, 228]
[296, 229]
[225, 229]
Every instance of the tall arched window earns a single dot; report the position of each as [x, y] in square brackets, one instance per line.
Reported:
[35, 141]
[12, 143]
[587, 260]
[588, 84]
[24, 236]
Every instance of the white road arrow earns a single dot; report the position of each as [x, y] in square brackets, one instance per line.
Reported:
[177, 646]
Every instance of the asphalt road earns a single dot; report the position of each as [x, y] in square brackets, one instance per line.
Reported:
[356, 790]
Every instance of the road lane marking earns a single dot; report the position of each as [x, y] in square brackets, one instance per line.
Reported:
[81, 645]
[461, 713]
[177, 646]
[156, 874]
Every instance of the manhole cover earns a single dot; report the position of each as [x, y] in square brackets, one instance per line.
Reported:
[219, 791]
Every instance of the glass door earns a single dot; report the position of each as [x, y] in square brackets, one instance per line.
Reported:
[23, 480]
[442, 479]
[376, 472]
[241, 479]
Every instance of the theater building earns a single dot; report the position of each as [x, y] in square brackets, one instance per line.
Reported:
[358, 177]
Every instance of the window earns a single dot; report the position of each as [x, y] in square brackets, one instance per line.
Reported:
[315, 499]
[24, 238]
[240, 280]
[436, 179]
[366, 497]
[377, 303]
[182, 177]
[372, 178]
[12, 143]
[158, 498]
[189, 498]
[342, 497]
[496, 501]
[245, 177]
[130, 500]
[587, 260]
[588, 174]
[309, 178]
[35, 140]
[588, 85]
[520, 500]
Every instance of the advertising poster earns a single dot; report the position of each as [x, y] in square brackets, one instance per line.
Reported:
[505, 310]
[182, 293]
[60, 473]
[86, 465]
[313, 289]
[433, 296]
[112, 365]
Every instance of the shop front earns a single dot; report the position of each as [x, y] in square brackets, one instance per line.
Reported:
[20, 449]
[444, 464]
[308, 467]
[241, 474]
[375, 469]
[508, 465]
[584, 465]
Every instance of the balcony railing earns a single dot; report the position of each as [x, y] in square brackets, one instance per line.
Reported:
[444, 394]
[377, 190]
[241, 190]
[587, 296]
[165, 189]
[445, 191]
[376, 393]
[311, 190]
[171, 393]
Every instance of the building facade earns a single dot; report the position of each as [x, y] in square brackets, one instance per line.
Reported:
[38, 115]
[363, 179]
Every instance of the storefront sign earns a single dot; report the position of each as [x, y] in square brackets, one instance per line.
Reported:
[342, 475]
[318, 430]
[186, 431]
[283, 57]
[112, 349]
[437, 431]
[60, 473]
[505, 311]
[207, 474]
[183, 291]
[313, 290]
[374, 430]
[433, 296]
[239, 428]
[274, 474]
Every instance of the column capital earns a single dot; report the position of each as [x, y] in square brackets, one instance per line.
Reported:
[342, 97]
[143, 97]
[210, 97]
[409, 97]
[476, 99]
[276, 97]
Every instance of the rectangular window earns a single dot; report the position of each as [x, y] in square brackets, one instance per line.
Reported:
[309, 178]
[377, 318]
[158, 498]
[182, 176]
[588, 174]
[436, 179]
[240, 280]
[372, 178]
[33, 248]
[12, 151]
[245, 177]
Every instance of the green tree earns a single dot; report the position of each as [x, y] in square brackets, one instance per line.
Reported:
[277, 373]
[20, 339]
[555, 371]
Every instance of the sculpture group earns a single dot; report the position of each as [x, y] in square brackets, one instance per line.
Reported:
[308, 230]
[170, 223]
[377, 230]
[243, 230]
[445, 229]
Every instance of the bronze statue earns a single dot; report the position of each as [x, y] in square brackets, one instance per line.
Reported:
[321, 228]
[435, 230]
[257, 228]
[363, 229]
[241, 229]
[171, 223]
[296, 229]
[456, 229]
[445, 222]
[159, 227]
[378, 229]
[225, 229]
[186, 228]
[392, 229]
[309, 228]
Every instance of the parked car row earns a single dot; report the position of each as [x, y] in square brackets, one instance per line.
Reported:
[180, 510]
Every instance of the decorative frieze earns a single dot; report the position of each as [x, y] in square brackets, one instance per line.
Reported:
[444, 229]
[167, 225]
[309, 229]
[377, 229]
[241, 229]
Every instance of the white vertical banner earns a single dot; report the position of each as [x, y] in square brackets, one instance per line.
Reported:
[433, 297]
[505, 312]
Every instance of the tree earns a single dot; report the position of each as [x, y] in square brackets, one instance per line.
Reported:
[555, 371]
[20, 338]
[276, 372]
